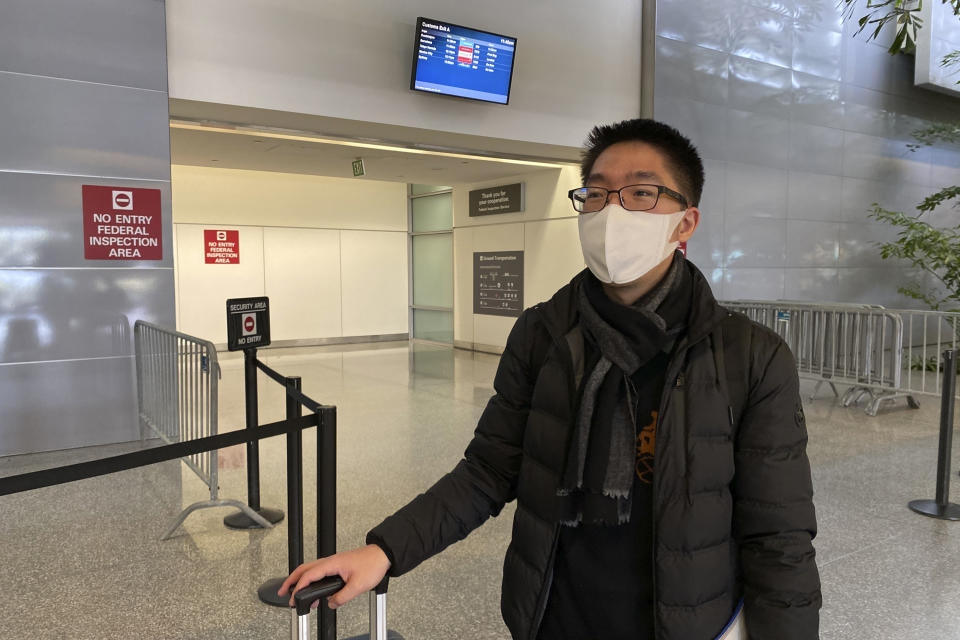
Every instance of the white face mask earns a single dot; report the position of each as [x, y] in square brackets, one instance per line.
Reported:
[619, 246]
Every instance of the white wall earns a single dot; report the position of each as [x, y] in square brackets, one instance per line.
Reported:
[214, 196]
[351, 60]
[331, 254]
[547, 234]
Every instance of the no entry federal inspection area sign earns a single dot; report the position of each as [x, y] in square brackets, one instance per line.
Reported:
[221, 246]
[121, 223]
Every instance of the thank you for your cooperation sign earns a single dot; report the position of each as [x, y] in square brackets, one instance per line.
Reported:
[508, 198]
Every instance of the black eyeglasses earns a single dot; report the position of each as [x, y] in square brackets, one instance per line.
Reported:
[634, 197]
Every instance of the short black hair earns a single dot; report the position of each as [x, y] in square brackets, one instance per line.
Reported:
[681, 156]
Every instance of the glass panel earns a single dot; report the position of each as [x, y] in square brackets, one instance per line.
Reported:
[433, 270]
[432, 360]
[433, 325]
[417, 189]
[433, 214]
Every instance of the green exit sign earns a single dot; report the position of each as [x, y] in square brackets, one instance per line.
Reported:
[358, 167]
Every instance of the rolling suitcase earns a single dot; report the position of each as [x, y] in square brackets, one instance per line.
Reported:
[304, 598]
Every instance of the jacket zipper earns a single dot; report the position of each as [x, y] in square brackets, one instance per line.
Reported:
[563, 348]
[674, 373]
[547, 585]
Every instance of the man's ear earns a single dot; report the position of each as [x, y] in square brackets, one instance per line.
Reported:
[688, 224]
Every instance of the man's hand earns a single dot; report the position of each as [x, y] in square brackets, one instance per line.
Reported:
[361, 569]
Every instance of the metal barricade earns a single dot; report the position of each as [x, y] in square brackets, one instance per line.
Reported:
[926, 334]
[177, 377]
[872, 349]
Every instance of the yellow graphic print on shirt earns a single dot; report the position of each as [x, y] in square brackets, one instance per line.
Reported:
[646, 443]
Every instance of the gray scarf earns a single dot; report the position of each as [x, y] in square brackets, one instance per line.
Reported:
[622, 358]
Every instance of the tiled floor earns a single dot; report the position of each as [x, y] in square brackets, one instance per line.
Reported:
[84, 560]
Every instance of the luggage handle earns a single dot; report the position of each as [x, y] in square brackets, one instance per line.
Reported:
[304, 599]
[322, 588]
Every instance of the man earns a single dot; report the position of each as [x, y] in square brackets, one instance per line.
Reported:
[655, 443]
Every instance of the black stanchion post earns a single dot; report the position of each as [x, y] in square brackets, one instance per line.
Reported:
[941, 507]
[295, 484]
[268, 590]
[327, 508]
[252, 400]
[240, 520]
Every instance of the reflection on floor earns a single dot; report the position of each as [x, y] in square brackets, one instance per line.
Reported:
[84, 560]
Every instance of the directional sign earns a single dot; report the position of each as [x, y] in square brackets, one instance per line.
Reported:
[498, 283]
[248, 323]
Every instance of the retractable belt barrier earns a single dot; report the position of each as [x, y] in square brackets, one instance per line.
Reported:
[324, 417]
[177, 396]
[125, 462]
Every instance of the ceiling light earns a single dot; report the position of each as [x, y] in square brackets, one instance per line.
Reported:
[189, 126]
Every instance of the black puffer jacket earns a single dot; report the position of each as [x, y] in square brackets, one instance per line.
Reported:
[733, 512]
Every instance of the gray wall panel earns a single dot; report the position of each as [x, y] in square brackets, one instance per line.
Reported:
[760, 35]
[42, 221]
[813, 196]
[816, 100]
[61, 126]
[859, 194]
[70, 39]
[755, 242]
[58, 314]
[812, 244]
[816, 149]
[858, 244]
[61, 405]
[694, 71]
[757, 138]
[755, 191]
[887, 159]
[758, 86]
[821, 14]
[83, 100]
[812, 284]
[818, 53]
[805, 131]
[753, 284]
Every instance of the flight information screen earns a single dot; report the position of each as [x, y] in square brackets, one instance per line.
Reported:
[458, 61]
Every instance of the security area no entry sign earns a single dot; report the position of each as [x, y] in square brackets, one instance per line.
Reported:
[248, 323]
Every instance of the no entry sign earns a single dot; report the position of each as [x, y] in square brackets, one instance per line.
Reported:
[121, 223]
[248, 323]
[221, 246]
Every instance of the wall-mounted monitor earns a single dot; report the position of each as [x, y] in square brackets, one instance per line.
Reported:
[458, 61]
